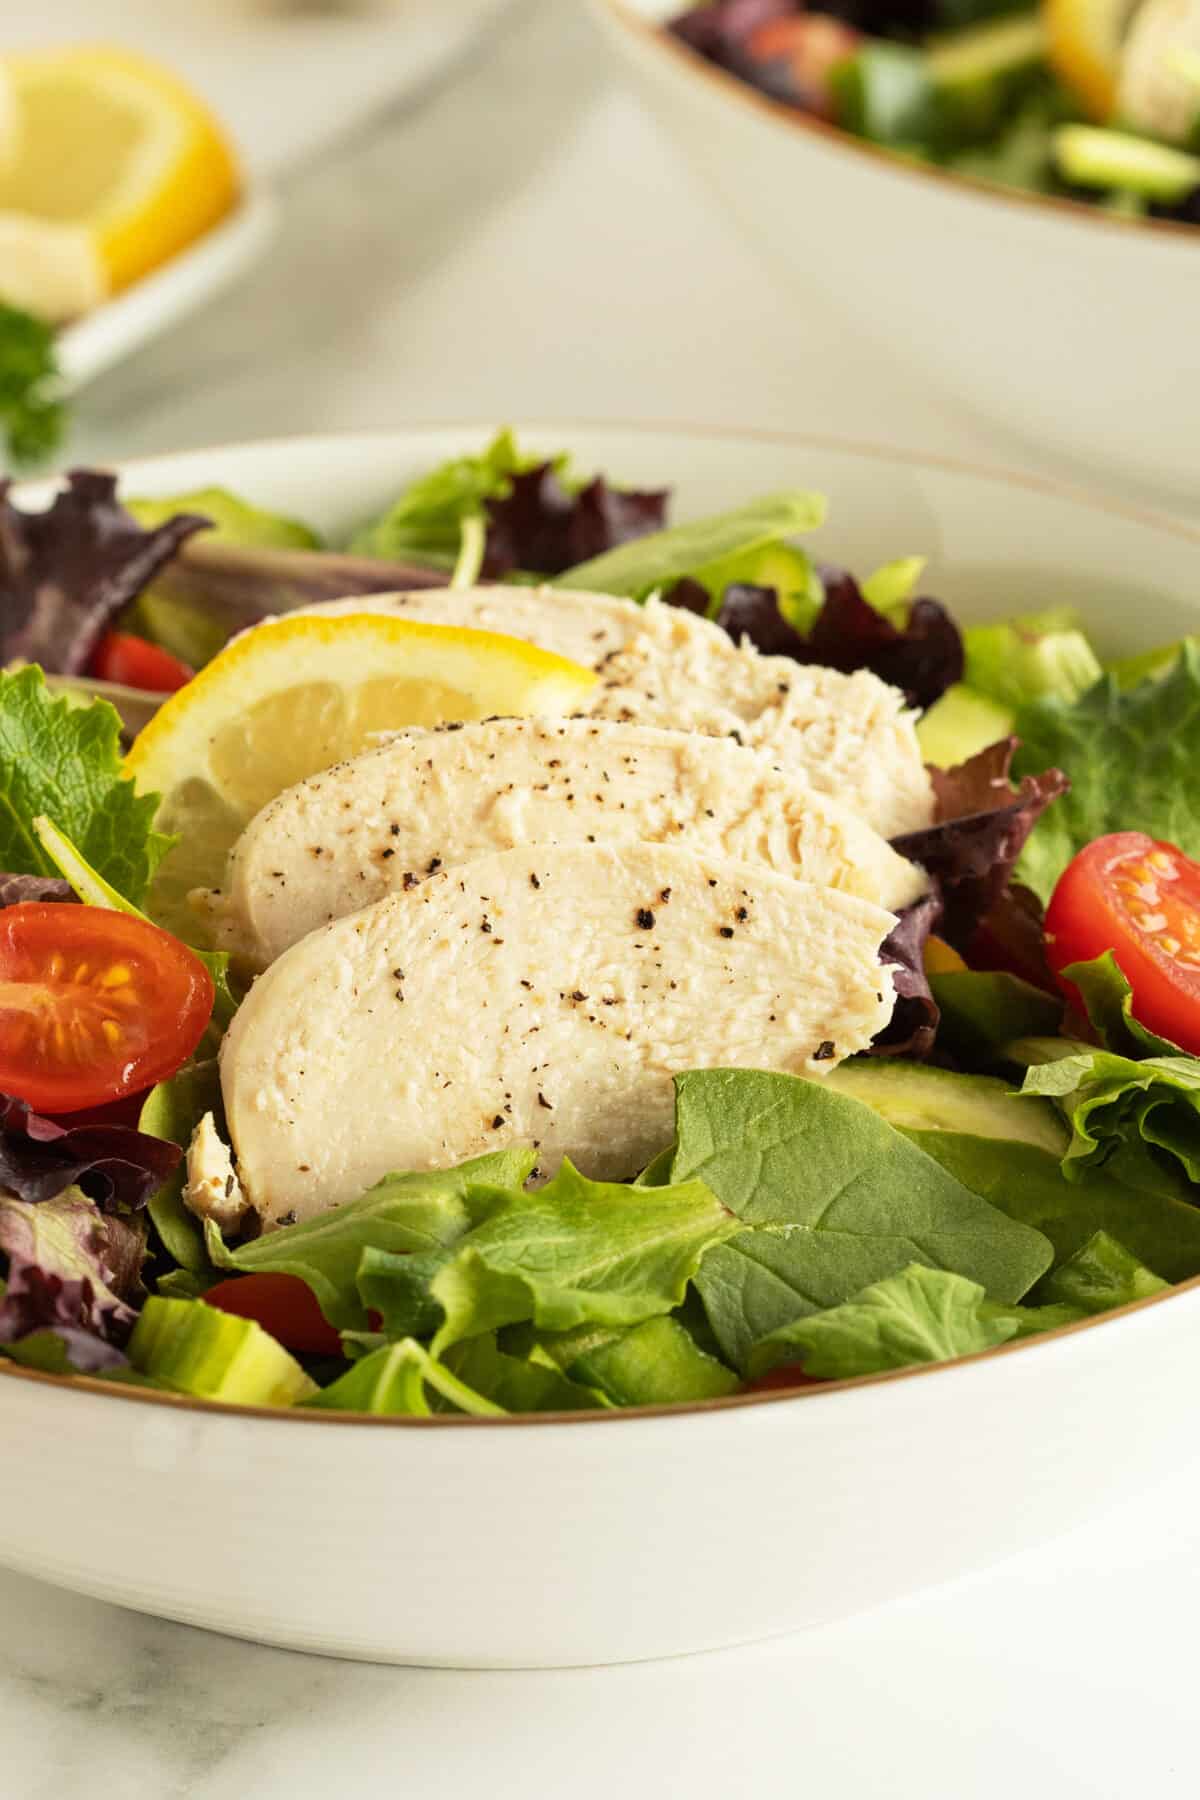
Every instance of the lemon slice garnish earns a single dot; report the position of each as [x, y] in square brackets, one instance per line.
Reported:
[109, 152]
[296, 695]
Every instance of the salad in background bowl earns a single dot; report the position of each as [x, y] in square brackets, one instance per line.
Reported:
[1065, 324]
[914, 1105]
[1079, 99]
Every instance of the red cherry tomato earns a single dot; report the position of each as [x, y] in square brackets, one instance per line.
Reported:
[283, 1305]
[133, 662]
[94, 1005]
[1141, 900]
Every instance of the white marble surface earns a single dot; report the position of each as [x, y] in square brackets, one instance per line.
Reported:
[522, 245]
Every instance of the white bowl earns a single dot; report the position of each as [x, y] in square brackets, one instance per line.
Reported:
[1074, 330]
[609, 1538]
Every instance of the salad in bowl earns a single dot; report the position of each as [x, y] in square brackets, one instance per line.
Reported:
[539, 957]
[1091, 100]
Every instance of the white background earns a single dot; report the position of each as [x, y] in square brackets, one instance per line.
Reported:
[517, 241]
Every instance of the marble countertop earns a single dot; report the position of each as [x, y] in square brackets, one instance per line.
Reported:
[518, 243]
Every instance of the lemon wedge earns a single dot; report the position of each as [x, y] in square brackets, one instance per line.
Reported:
[109, 165]
[296, 695]
[1084, 41]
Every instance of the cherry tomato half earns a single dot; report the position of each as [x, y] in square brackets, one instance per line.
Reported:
[93, 1005]
[283, 1305]
[133, 662]
[1141, 900]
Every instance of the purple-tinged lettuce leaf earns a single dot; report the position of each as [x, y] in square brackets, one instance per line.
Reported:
[40, 1312]
[981, 827]
[913, 1025]
[66, 573]
[71, 1274]
[114, 1164]
[16, 889]
[544, 527]
[923, 658]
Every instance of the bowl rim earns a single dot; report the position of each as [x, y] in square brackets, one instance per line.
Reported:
[1145, 517]
[660, 41]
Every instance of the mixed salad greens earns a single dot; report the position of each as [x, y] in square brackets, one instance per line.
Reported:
[1093, 100]
[1019, 1150]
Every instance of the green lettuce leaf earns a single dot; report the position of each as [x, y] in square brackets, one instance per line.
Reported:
[1101, 1274]
[1108, 999]
[398, 1378]
[64, 761]
[917, 1315]
[1157, 1225]
[428, 517]
[1131, 757]
[402, 1214]
[519, 1384]
[574, 1252]
[658, 1363]
[663, 557]
[836, 1200]
[172, 1110]
[1115, 1104]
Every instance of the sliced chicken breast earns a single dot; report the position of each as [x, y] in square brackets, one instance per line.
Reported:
[851, 736]
[432, 800]
[543, 996]
[584, 627]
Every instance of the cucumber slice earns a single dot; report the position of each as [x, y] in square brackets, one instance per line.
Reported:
[916, 1097]
[960, 723]
[196, 1349]
[1091, 157]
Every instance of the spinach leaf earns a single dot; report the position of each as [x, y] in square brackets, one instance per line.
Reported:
[982, 1010]
[1131, 758]
[663, 557]
[573, 1252]
[1159, 1227]
[836, 1199]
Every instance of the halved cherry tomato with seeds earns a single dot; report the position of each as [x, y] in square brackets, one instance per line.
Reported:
[283, 1305]
[1140, 899]
[93, 1005]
